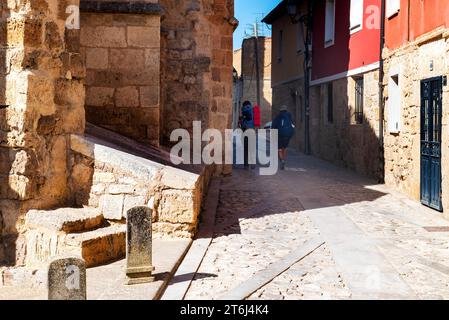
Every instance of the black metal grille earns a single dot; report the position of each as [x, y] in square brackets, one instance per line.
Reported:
[330, 102]
[359, 100]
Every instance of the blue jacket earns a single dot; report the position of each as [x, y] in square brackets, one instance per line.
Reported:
[247, 117]
[283, 122]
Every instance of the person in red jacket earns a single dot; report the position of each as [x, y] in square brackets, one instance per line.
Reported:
[256, 111]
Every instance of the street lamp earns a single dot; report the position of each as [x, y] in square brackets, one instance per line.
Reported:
[292, 10]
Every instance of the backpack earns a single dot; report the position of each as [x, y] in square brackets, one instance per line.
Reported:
[247, 115]
[286, 127]
[256, 111]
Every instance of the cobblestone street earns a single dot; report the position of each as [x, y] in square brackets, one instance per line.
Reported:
[377, 244]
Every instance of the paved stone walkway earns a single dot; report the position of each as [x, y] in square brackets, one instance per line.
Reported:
[376, 245]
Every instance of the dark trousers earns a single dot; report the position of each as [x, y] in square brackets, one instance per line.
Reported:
[245, 151]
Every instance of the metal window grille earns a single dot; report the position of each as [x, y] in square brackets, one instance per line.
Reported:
[359, 100]
[330, 102]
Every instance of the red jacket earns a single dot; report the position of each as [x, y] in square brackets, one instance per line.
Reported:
[256, 111]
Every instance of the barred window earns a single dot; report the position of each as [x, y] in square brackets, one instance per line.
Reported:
[359, 100]
[330, 102]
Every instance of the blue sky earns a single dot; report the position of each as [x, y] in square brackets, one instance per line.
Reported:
[247, 11]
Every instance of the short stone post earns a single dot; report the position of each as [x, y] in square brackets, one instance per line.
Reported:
[139, 263]
[67, 279]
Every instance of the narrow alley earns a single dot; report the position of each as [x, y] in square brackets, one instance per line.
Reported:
[377, 244]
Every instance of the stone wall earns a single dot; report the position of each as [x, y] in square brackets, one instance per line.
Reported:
[121, 51]
[402, 150]
[121, 181]
[42, 102]
[343, 141]
[196, 65]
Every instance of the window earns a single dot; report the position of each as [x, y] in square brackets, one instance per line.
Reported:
[356, 23]
[358, 100]
[330, 102]
[280, 45]
[299, 38]
[394, 104]
[393, 7]
[329, 34]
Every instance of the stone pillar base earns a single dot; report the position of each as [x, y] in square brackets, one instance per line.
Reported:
[139, 275]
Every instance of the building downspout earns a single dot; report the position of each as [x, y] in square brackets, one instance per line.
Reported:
[307, 76]
[381, 95]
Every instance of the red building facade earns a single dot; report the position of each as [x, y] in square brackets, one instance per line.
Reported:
[344, 94]
[355, 29]
[406, 20]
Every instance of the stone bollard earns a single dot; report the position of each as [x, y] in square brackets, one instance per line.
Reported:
[139, 263]
[67, 279]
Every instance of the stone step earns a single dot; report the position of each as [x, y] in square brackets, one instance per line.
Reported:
[67, 220]
[82, 232]
[98, 246]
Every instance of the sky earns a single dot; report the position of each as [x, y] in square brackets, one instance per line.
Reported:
[247, 12]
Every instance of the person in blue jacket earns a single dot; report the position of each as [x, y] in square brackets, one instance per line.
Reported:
[286, 129]
[247, 124]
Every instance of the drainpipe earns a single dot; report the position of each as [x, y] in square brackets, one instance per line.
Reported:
[381, 94]
[307, 76]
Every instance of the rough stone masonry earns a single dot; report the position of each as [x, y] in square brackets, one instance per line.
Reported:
[41, 81]
[135, 86]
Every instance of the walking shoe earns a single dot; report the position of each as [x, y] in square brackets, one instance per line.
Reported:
[282, 164]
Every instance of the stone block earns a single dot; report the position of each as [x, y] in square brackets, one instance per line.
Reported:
[153, 59]
[100, 96]
[9, 213]
[67, 279]
[53, 39]
[144, 37]
[97, 58]
[103, 37]
[127, 59]
[121, 189]
[139, 250]
[132, 201]
[149, 96]
[40, 94]
[179, 206]
[112, 206]
[98, 246]
[104, 177]
[65, 219]
[127, 97]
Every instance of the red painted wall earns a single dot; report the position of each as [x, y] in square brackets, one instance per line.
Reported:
[350, 51]
[415, 18]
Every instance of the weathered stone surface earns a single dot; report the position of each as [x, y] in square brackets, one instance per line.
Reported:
[133, 201]
[97, 58]
[42, 86]
[122, 181]
[67, 279]
[112, 206]
[98, 246]
[65, 219]
[118, 49]
[139, 249]
[48, 165]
